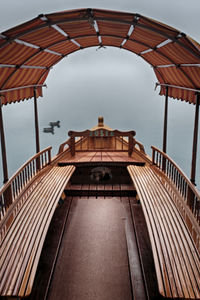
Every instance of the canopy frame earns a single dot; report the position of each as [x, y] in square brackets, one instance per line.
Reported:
[167, 65]
[93, 17]
[3, 147]
[195, 140]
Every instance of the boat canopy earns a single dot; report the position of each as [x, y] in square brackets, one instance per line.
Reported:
[30, 50]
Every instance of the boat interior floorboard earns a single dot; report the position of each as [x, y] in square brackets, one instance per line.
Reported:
[105, 250]
[93, 261]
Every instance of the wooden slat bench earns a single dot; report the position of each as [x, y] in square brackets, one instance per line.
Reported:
[21, 247]
[176, 258]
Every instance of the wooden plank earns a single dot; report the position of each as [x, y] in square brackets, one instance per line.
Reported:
[18, 267]
[174, 252]
[100, 187]
[109, 187]
[41, 237]
[181, 243]
[93, 187]
[19, 237]
[137, 279]
[166, 243]
[85, 186]
[101, 156]
[154, 238]
[19, 218]
[116, 187]
[192, 265]
[126, 187]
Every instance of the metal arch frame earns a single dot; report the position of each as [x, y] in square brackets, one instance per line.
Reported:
[174, 39]
[86, 18]
[23, 87]
[178, 87]
[95, 46]
[94, 35]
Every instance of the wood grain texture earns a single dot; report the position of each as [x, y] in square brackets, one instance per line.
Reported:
[176, 258]
[21, 247]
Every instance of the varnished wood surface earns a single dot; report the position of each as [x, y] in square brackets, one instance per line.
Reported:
[123, 204]
[176, 258]
[83, 184]
[100, 156]
[186, 188]
[93, 261]
[21, 179]
[22, 245]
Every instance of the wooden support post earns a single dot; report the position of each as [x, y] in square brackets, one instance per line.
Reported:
[153, 156]
[36, 129]
[190, 198]
[36, 122]
[7, 193]
[165, 122]
[165, 130]
[195, 140]
[130, 145]
[3, 147]
[72, 145]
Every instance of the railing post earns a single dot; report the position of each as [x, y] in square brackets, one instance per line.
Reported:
[153, 156]
[38, 167]
[49, 156]
[195, 140]
[8, 196]
[190, 198]
[163, 164]
[130, 145]
[72, 145]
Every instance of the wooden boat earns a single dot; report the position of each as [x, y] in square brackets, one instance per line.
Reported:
[101, 219]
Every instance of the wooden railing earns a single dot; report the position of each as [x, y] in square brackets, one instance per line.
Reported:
[17, 183]
[86, 136]
[140, 146]
[101, 138]
[63, 147]
[187, 190]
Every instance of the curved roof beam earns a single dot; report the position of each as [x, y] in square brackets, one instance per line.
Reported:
[120, 21]
[68, 38]
[174, 56]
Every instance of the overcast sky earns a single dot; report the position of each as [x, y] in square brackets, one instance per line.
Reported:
[110, 82]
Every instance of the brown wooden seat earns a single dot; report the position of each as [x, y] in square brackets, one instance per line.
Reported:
[176, 258]
[22, 245]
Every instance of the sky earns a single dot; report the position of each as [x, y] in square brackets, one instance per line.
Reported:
[110, 82]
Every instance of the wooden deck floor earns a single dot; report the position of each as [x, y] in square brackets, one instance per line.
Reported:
[96, 255]
[93, 262]
[101, 156]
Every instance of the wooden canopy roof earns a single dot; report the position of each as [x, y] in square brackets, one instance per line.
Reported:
[30, 50]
